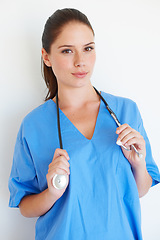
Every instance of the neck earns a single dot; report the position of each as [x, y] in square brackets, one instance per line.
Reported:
[76, 97]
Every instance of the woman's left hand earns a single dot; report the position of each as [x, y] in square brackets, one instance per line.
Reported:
[128, 136]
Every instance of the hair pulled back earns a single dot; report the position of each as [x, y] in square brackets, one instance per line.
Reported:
[52, 29]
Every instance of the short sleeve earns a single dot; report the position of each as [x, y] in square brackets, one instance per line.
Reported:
[150, 163]
[23, 180]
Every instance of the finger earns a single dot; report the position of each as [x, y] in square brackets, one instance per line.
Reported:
[59, 159]
[127, 135]
[61, 171]
[60, 165]
[121, 128]
[63, 168]
[61, 152]
[126, 131]
[138, 142]
[58, 170]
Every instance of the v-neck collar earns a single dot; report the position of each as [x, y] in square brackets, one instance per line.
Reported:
[62, 115]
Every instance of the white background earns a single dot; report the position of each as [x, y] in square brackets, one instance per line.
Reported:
[128, 64]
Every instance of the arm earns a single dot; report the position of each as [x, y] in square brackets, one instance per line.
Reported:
[129, 136]
[38, 204]
[143, 179]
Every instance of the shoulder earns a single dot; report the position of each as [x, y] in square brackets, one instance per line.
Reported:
[118, 101]
[40, 113]
[38, 119]
[126, 109]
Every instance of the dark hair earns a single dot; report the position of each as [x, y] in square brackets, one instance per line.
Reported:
[52, 29]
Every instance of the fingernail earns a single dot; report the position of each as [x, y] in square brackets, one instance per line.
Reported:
[119, 143]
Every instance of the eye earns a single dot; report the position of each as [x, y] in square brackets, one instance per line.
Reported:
[88, 49]
[66, 51]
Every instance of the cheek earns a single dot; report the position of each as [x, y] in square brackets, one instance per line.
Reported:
[66, 63]
[60, 65]
[92, 60]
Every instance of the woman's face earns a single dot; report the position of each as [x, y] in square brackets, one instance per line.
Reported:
[72, 56]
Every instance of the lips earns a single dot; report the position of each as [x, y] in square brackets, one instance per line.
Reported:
[80, 74]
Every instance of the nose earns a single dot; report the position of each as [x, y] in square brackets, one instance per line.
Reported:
[79, 60]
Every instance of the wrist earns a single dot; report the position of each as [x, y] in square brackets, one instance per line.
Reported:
[52, 198]
[139, 167]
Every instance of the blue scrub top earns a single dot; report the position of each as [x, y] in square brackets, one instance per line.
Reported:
[101, 201]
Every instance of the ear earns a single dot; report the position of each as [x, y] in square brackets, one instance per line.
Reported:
[45, 57]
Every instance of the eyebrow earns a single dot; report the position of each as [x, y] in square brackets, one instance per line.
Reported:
[73, 45]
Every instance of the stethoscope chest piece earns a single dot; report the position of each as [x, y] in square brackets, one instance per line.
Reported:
[59, 181]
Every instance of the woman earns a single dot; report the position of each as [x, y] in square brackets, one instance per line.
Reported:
[104, 181]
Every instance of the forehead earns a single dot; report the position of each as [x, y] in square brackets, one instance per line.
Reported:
[75, 33]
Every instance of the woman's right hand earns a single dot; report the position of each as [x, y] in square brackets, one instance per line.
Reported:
[59, 165]
[36, 205]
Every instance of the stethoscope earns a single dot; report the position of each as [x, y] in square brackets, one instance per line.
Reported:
[60, 181]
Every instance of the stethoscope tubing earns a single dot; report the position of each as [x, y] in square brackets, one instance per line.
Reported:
[117, 122]
[59, 182]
